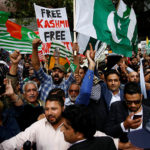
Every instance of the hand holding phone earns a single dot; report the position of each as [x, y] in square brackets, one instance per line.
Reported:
[137, 117]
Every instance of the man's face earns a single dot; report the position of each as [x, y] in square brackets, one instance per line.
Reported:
[57, 75]
[69, 134]
[134, 61]
[133, 101]
[133, 77]
[31, 93]
[31, 72]
[73, 92]
[81, 73]
[113, 82]
[67, 75]
[53, 112]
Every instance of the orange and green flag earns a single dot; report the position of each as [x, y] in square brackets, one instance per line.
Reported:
[15, 37]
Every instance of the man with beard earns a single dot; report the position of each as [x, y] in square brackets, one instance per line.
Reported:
[111, 91]
[127, 115]
[73, 92]
[45, 132]
[49, 82]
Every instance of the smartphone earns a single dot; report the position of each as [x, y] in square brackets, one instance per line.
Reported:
[137, 117]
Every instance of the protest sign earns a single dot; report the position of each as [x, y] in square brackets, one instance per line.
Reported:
[53, 25]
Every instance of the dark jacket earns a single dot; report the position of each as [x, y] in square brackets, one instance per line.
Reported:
[10, 126]
[97, 143]
[118, 114]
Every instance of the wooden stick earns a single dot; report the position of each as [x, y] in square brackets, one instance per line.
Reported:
[74, 21]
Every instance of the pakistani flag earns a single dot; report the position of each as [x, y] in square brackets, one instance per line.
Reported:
[99, 19]
[14, 37]
[63, 51]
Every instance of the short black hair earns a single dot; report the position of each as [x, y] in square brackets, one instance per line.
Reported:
[84, 68]
[112, 71]
[81, 119]
[132, 88]
[55, 97]
[58, 91]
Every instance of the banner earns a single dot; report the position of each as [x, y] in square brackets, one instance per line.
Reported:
[53, 25]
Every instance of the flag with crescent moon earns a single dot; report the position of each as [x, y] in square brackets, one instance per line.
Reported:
[15, 37]
[101, 20]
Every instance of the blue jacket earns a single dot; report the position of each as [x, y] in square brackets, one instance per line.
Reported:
[86, 88]
[107, 95]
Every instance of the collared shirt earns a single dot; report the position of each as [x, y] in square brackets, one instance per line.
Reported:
[115, 98]
[47, 83]
[140, 127]
[41, 132]
[68, 102]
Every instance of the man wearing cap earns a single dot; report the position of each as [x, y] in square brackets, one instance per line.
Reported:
[49, 82]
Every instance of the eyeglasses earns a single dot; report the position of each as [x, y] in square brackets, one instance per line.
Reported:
[135, 102]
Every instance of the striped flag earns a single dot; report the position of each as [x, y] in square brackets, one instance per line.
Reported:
[15, 37]
[63, 51]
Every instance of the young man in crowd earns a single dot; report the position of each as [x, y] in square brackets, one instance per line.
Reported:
[49, 82]
[46, 132]
[79, 129]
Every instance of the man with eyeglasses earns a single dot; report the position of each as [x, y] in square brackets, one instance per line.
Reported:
[73, 92]
[128, 115]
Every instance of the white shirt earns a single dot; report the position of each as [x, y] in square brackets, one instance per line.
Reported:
[41, 132]
[115, 98]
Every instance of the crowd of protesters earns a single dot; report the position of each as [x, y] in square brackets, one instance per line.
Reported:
[93, 108]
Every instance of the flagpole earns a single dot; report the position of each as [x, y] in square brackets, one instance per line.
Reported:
[74, 21]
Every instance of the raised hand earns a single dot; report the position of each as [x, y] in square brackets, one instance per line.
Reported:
[9, 90]
[36, 43]
[15, 57]
[90, 57]
[75, 49]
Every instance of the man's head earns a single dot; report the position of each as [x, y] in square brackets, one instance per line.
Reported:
[30, 91]
[113, 80]
[134, 61]
[79, 123]
[133, 77]
[58, 73]
[59, 92]
[73, 91]
[82, 71]
[133, 96]
[54, 107]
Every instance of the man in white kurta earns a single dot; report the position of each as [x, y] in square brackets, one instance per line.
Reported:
[42, 133]
[46, 132]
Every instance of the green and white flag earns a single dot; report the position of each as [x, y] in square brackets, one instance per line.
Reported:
[99, 19]
[63, 51]
[15, 37]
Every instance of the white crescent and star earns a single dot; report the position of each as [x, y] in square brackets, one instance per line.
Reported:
[30, 35]
[112, 28]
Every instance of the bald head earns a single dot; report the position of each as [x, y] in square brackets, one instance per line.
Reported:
[133, 77]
